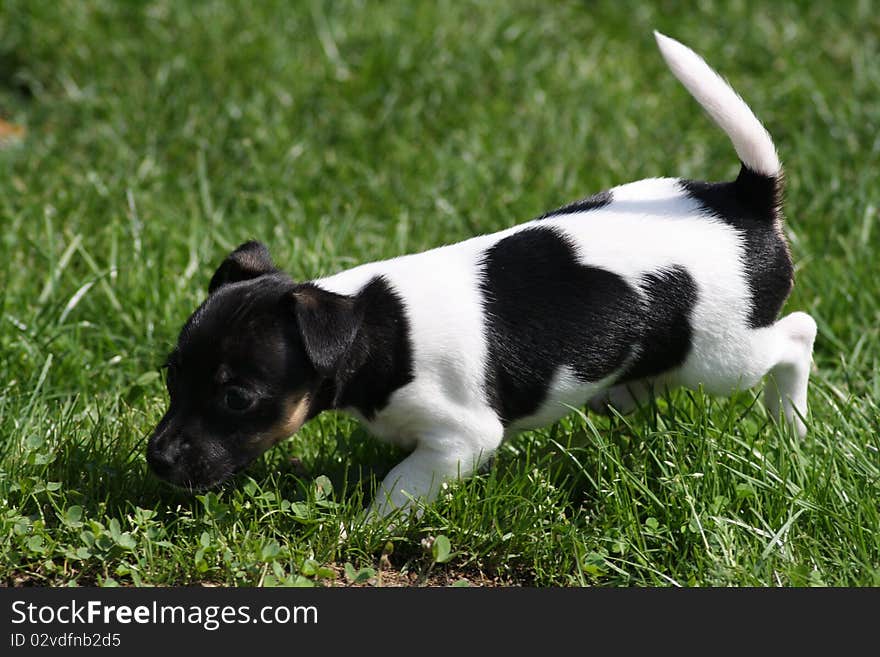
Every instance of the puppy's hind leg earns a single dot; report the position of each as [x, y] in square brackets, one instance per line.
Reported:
[786, 387]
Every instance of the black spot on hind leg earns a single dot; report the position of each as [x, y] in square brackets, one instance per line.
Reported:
[752, 205]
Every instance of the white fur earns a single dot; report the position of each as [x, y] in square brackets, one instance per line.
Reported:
[752, 142]
[444, 415]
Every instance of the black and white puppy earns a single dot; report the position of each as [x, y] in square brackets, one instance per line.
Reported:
[661, 282]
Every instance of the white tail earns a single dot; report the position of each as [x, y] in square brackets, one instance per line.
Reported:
[752, 142]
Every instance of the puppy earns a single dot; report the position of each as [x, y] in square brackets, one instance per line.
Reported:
[657, 283]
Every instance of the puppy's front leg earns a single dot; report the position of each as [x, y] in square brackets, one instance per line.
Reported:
[419, 477]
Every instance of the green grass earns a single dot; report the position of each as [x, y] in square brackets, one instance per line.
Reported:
[161, 134]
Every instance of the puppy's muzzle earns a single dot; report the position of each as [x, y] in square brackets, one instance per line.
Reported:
[163, 454]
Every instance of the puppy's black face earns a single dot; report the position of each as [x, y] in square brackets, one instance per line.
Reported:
[247, 369]
[239, 381]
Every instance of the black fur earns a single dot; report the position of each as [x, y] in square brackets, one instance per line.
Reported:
[250, 260]
[544, 309]
[328, 325]
[751, 204]
[240, 338]
[670, 295]
[262, 349]
[593, 202]
[380, 358]
[267, 338]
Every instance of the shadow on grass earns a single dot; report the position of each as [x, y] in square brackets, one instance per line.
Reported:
[113, 481]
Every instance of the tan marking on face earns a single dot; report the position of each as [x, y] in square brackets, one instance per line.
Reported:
[296, 410]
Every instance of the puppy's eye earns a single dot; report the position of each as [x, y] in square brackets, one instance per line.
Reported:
[237, 400]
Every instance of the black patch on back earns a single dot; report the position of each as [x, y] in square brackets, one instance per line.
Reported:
[669, 296]
[380, 359]
[751, 204]
[593, 202]
[544, 309]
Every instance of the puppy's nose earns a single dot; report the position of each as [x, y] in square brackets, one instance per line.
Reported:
[160, 462]
[162, 455]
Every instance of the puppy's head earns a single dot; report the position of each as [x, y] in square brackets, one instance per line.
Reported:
[247, 369]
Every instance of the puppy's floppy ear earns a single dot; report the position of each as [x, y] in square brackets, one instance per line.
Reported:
[249, 260]
[328, 324]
